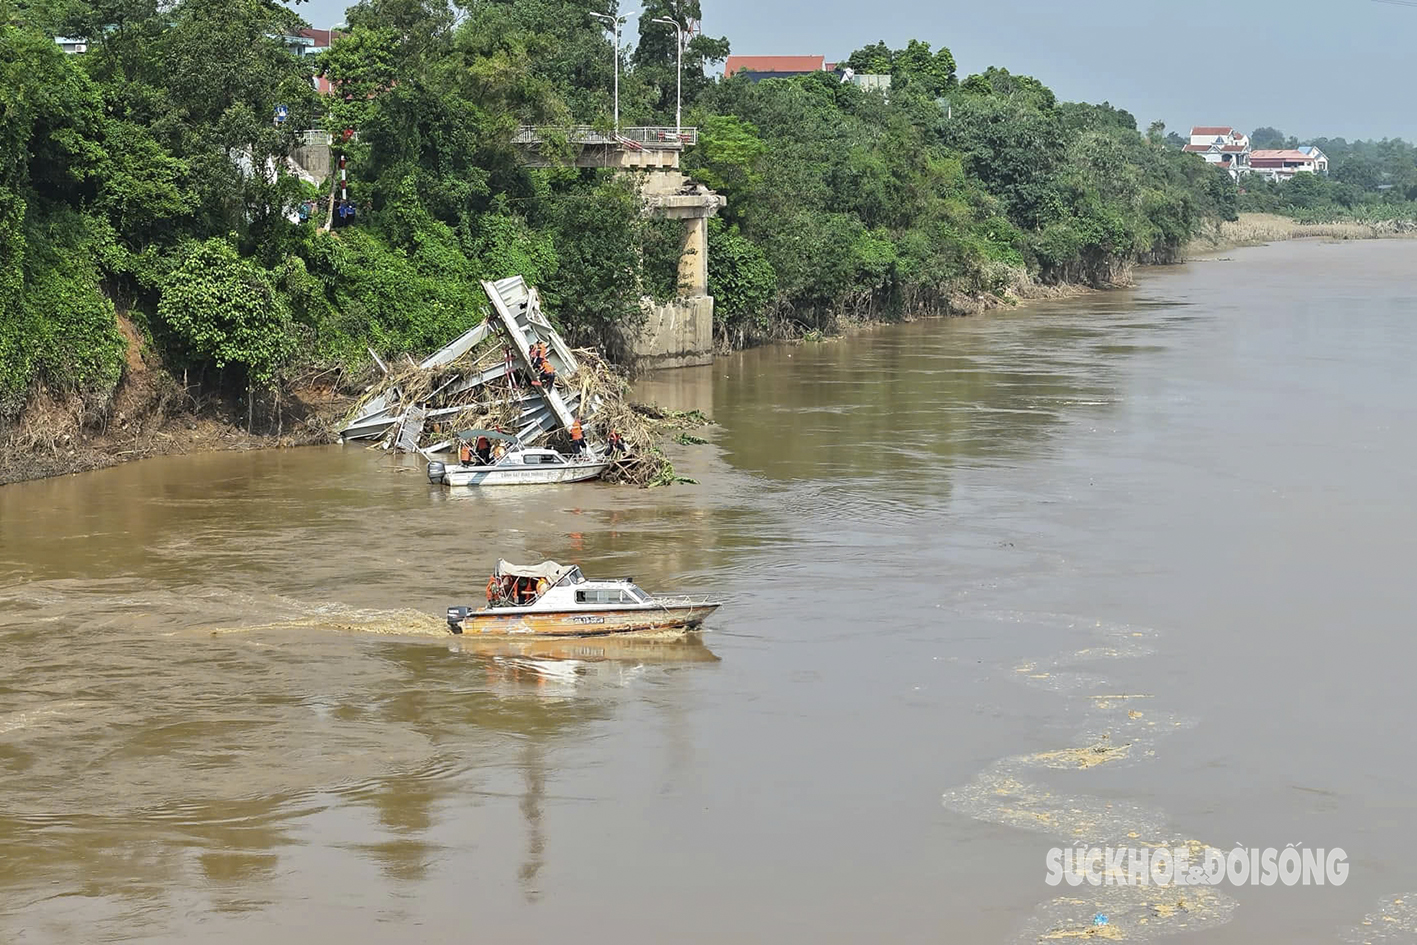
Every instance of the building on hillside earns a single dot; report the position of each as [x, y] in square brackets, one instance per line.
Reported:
[758, 68]
[310, 42]
[71, 45]
[867, 81]
[1221, 145]
[1284, 163]
[1319, 158]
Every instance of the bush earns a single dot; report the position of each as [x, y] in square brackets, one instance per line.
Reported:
[226, 311]
[741, 281]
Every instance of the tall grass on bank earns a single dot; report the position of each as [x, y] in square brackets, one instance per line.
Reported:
[1252, 229]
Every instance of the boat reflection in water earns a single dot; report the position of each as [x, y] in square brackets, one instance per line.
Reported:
[554, 666]
[554, 686]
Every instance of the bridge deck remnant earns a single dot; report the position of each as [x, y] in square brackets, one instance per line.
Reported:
[647, 147]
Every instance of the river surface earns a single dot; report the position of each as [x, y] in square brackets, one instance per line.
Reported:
[1171, 526]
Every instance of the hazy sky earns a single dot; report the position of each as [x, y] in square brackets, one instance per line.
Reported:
[1339, 68]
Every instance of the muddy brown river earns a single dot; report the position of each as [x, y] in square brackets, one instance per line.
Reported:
[1134, 568]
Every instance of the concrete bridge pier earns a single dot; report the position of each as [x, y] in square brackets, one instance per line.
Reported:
[679, 333]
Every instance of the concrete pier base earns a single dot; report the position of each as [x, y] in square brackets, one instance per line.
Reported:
[675, 334]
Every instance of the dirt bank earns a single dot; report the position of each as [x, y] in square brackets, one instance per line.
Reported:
[153, 413]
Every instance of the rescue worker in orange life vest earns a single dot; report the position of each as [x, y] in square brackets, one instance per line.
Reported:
[464, 454]
[548, 374]
[577, 438]
[617, 442]
[484, 450]
[494, 589]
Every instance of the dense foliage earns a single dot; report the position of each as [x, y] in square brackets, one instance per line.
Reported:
[148, 177]
[865, 203]
[1367, 181]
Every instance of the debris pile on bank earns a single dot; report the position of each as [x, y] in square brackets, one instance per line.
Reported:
[485, 380]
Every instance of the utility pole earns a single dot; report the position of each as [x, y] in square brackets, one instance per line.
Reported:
[614, 23]
[679, 70]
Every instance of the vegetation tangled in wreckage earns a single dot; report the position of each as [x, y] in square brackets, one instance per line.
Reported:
[495, 406]
[146, 176]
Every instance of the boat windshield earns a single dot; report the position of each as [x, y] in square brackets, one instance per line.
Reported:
[637, 594]
[573, 576]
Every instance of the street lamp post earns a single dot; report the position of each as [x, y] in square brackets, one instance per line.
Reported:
[679, 70]
[614, 24]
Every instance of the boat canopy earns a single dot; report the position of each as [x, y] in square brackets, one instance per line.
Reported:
[490, 434]
[549, 570]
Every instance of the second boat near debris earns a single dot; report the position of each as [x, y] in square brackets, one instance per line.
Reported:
[510, 465]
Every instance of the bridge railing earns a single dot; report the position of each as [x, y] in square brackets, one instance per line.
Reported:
[645, 137]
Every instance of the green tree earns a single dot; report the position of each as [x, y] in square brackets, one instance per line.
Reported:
[655, 55]
[875, 59]
[742, 283]
[598, 281]
[225, 311]
[727, 156]
[916, 69]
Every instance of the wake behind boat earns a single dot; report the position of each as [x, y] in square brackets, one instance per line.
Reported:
[550, 599]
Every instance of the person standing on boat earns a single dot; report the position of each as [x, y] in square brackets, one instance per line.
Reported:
[484, 450]
[541, 587]
[577, 438]
[464, 454]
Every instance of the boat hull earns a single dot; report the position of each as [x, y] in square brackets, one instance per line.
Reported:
[593, 623]
[521, 475]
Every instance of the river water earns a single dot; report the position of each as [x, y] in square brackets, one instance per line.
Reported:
[1170, 526]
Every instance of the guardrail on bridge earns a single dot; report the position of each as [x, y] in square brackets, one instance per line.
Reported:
[651, 137]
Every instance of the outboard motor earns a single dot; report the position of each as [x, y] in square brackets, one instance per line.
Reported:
[436, 471]
[456, 615]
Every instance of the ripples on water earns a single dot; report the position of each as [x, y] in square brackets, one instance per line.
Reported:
[227, 695]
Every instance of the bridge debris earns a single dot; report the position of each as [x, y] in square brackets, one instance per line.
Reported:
[485, 379]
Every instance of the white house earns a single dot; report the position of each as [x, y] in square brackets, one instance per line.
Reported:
[1319, 158]
[1221, 145]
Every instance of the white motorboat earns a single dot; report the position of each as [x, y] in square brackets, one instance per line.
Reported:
[551, 600]
[515, 466]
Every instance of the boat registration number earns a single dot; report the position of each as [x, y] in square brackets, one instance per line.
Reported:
[587, 620]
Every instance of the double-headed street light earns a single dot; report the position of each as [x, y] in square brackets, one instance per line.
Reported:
[679, 69]
[614, 23]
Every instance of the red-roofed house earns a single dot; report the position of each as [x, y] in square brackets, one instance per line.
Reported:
[1222, 145]
[1285, 163]
[758, 68]
[309, 42]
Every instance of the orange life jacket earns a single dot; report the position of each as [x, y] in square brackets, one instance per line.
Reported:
[492, 588]
[576, 433]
